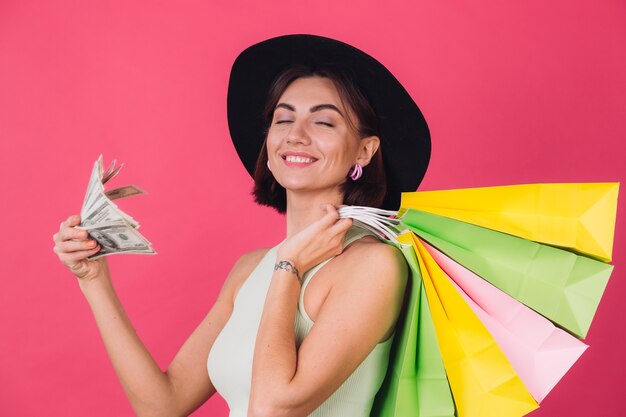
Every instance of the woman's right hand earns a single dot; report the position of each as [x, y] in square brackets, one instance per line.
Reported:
[318, 241]
[73, 246]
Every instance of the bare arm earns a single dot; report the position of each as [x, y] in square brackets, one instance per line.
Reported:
[185, 385]
[286, 382]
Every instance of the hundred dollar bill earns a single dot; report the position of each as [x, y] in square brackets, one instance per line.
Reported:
[122, 192]
[95, 185]
[106, 211]
[111, 172]
[117, 237]
[113, 229]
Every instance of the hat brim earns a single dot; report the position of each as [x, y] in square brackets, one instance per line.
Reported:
[404, 134]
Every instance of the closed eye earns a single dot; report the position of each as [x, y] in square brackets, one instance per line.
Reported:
[278, 122]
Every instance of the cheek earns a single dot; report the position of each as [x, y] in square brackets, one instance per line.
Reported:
[271, 143]
[339, 150]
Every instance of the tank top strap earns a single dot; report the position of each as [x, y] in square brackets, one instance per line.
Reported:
[354, 233]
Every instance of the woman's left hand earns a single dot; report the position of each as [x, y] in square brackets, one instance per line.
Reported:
[317, 242]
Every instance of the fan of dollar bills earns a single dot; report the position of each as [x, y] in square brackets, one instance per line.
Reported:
[114, 230]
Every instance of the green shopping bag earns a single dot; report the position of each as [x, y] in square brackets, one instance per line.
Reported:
[416, 383]
[561, 285]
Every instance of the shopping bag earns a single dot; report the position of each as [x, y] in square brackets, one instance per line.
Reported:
[539, 352]
[483, 382]
[416, 383]
[561, 285]
[578, 216]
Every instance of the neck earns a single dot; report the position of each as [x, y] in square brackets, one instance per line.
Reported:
[304, 208]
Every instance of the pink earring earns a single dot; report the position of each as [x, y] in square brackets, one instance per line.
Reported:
[268, 165]
[356, 172]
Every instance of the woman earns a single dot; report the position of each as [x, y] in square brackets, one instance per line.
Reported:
[329, 110]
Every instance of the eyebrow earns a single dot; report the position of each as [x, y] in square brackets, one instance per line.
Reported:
[312, 109]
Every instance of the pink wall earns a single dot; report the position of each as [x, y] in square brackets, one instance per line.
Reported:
[514, 92]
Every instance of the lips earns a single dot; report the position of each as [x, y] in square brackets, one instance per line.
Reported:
[299, 159]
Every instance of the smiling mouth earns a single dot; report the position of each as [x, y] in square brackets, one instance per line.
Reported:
[298, 159]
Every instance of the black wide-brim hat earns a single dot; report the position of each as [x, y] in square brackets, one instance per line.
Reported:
[403, 132]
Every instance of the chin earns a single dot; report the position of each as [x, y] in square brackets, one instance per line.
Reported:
[295, 185]
[310, 186]
[309, 182]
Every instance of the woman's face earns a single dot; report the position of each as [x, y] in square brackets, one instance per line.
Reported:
[310, 142]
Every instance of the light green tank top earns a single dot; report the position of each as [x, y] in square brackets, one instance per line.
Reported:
[230, 360]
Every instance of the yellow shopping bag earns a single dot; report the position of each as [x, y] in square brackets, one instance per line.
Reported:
[577, 216]
[483, 382]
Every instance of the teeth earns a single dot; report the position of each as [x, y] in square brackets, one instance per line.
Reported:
[304, 159]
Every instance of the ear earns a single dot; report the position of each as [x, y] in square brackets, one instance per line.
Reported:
[367, 148]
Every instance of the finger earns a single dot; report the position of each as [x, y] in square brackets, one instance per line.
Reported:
[70, 246]
[327, 220]
[80, 255]
[331, 209]
[68, 233]
[331, 215]
[71, 259]
[71, 221]
[341, 226]
[328, 207]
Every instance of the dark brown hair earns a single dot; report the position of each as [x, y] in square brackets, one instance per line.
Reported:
[370, 189]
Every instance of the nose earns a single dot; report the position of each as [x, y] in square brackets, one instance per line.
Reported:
[297, 134]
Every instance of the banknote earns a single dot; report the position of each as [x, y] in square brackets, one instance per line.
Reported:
[111, 172]
[94, 185]
[117, 237]
[115, 231]
[122, 192]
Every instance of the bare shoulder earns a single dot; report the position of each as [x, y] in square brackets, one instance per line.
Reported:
[373, 275]
[241, 270]
[369, 257]
[378, 267]
[249, 260]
